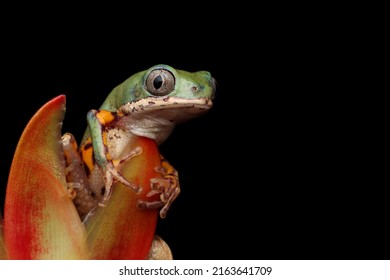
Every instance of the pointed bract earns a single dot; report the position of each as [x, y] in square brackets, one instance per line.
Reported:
[40, 220]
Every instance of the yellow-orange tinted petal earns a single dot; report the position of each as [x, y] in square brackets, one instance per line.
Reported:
[40, 220]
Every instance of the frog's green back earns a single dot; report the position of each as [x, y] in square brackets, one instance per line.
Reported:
[130, 90]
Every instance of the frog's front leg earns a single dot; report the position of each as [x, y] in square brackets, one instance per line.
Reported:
[99, 122]
[167, 186]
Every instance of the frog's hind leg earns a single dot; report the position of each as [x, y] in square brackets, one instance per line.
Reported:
[78, 184]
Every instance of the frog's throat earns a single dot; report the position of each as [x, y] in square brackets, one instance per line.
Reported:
[156, 117]
[152, 128]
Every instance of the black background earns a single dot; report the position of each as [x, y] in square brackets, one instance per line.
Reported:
[271, 172]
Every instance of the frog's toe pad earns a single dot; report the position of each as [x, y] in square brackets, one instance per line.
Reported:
[149, 205]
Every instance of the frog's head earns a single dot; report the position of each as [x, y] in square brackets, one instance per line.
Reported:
[176, 95]
[160, 97]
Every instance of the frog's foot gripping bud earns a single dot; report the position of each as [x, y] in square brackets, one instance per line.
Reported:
[167, 187]
[111, 174]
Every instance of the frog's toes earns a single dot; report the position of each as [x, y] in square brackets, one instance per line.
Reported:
[111, 175]
[135, 152]
[159, 185]
[113, 169]
[150, 205]
[168, 188]
[70, 187]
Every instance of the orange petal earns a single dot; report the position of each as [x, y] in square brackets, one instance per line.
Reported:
[40, 220]
[3, 255]
[120, 230]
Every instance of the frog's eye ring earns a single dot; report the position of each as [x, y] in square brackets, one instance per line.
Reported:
[160, 82]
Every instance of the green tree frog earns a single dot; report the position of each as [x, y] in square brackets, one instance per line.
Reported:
[148, 104]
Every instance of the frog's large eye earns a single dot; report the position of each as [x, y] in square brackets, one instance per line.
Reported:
[160, 82]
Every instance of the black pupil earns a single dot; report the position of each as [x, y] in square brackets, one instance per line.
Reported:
[158, 81]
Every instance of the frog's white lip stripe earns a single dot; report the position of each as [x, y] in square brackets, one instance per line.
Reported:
[162, 103]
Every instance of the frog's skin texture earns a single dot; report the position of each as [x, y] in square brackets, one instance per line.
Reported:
[148, 104]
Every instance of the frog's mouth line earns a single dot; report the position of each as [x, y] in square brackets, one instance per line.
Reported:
[172, 108]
